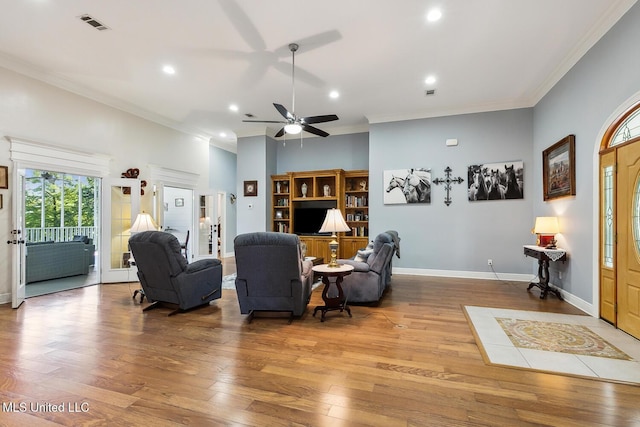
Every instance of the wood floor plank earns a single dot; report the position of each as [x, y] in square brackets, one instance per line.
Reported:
[410, 360]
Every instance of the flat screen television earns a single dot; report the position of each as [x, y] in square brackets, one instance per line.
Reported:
[309, 216]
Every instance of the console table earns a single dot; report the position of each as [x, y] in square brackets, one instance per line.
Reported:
[332, 303]
[544, 255]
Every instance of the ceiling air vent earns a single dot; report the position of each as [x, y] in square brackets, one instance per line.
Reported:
[93, 22]
[249, 115]
[430, 92]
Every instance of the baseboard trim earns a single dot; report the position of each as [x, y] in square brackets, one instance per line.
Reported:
[464, 274]
[5, 298]
[575, 301]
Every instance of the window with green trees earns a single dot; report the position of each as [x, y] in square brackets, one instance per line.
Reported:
[60, 200]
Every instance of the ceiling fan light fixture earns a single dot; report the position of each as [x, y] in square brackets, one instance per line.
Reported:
[293, 128]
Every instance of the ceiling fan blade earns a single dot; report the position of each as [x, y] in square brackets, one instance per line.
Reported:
[314, 130]
[282, 110]
[311, 42]
[263, 121]
[243, 25]
[319, 119]
[302, 75]
[279, 134]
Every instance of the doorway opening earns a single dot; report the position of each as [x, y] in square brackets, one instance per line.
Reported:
[61, 231]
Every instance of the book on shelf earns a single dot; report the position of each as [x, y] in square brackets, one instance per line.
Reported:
[361, 231]
[356, 201]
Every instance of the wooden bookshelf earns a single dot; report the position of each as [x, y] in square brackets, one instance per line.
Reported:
[349, 190]
[356, 212]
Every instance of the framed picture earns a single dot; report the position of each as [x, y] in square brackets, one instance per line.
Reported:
[406, 186]
[251, 188]
[1, 201]
[179, 203]
[4, 177]
[559, 169]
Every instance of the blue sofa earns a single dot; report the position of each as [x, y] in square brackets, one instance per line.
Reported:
[54, 260]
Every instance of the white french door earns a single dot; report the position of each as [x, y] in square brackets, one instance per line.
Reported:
[121, 204]
[17, 240]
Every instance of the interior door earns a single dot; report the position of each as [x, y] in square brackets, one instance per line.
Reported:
[121, 204]
[628, 252]
[18, 254]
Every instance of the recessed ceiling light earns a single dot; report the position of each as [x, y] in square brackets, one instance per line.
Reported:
[334, 94]
[434, 15]
[223, 135]
[168, 69]
[430, 80]
[233, 107]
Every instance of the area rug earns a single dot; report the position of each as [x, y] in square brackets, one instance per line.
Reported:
[559, 343]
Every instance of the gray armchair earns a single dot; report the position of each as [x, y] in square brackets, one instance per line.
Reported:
[371, 277]
[271, 274]
[167, 277]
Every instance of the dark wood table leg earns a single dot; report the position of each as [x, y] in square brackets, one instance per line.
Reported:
[543, 284]
[332, 303]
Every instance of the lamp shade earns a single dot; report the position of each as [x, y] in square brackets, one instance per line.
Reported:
[334, 222]
[546, 225]
[143, 222]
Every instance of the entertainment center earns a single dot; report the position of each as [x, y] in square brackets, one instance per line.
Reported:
[300, 201]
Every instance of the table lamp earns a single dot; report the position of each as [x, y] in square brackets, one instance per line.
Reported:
[333, 223]
[546, 228]
[143, 222]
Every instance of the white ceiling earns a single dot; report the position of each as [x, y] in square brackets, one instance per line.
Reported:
[486, 55]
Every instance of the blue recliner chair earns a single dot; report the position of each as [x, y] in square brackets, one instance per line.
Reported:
[272, 275]
[371, 276]
[167, 277]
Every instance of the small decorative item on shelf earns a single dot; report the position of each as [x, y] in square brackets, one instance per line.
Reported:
[327, 191]
[304, 189]
[363, 185]
[278, 187]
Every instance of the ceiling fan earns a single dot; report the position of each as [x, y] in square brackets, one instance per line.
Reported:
[295, 124]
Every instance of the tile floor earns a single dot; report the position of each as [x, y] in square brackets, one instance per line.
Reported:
[499, 349]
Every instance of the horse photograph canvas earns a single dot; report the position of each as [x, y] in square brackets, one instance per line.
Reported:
[496, 181]
[407, 186]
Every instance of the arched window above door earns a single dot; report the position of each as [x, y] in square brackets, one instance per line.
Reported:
[626, 129]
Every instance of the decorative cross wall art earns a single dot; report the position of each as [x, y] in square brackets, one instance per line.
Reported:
[447, 181]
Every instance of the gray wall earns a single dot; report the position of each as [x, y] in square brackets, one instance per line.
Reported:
[222, 177]
[463, 236]
[348, 152]
[252, 166]
[583, 103]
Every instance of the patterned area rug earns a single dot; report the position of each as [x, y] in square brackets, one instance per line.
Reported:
[575, 345]
[559, 337]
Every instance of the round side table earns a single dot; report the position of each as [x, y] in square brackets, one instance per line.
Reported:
[332, 303]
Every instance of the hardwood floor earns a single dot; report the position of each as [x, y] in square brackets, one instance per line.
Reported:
[411, 361]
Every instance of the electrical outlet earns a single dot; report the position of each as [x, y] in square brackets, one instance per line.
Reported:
[489, 261]
[559, 274]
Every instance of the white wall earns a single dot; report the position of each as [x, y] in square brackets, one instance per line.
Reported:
[35, 111]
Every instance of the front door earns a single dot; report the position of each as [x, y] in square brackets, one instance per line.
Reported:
[628, 248]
